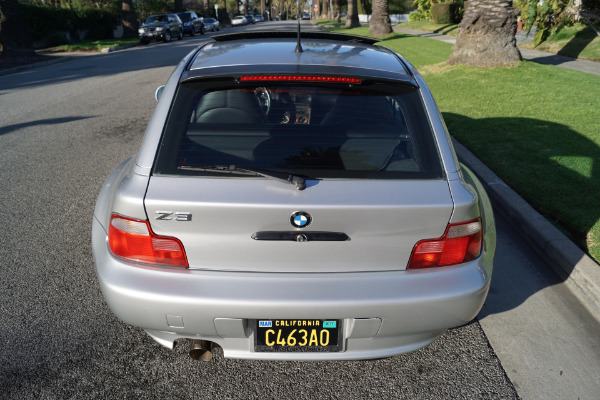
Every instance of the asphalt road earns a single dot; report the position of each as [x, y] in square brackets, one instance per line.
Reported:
[63, 128]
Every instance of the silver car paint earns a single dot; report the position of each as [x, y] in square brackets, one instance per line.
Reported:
[384, 220]
[145, 155]
[384, 313]
[414, 307]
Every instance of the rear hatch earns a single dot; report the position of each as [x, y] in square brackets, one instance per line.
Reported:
[361, 156]
[383, 220]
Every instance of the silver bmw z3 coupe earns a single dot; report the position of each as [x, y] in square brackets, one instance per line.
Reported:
[294, 199]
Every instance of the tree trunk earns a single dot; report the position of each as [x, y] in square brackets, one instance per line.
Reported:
[178, 6]
[338, 10]
[224, 15]
[486, 35]
[16, 37]
[325, 10]
[263, 7]
[380, 24]
[129, 20]
[352, 18]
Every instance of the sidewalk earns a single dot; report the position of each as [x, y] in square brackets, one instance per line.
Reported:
[541, 57]
[580, 273]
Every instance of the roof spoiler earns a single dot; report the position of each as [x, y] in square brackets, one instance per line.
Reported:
[293, 35]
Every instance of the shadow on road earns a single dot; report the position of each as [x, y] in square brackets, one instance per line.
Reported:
[155, 55]
[49, 121]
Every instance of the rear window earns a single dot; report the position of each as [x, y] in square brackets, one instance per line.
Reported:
[318, 131]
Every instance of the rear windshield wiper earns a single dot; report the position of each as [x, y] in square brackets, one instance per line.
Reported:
[297, 180]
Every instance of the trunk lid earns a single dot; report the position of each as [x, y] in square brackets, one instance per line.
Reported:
[216, 218]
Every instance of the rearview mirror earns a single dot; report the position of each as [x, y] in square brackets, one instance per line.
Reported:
[158, 92]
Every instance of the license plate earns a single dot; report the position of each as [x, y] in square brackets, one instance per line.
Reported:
[305, 335]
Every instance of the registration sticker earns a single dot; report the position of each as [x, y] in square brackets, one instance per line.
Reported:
[306, 335]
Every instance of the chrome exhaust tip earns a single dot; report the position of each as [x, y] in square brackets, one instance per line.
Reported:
[201, 350]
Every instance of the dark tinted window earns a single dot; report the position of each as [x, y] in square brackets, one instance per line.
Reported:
[156, 19]
[362, 132]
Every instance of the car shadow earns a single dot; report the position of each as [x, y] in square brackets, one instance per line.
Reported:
[542, 165]
[48, 121]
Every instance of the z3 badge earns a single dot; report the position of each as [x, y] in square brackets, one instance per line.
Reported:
[176, 216]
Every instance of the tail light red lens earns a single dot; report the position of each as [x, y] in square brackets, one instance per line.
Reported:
[134, 240]
[461, 243]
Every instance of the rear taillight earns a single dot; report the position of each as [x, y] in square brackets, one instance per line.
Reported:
[134, 240]
[461, 243]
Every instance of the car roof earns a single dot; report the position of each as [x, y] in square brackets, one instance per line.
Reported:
[274, 52]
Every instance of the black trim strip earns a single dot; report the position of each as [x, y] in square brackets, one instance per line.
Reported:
[293, 34]
[296, 236]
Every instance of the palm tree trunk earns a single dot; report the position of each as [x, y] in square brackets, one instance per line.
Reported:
[223, 14]
[178, 6]
[325, 9]
[380, 24]
[129, 20]
[352, 18]
[486, 35]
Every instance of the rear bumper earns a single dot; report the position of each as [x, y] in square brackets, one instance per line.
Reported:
[383, 313]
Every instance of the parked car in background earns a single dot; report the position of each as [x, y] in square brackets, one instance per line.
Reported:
[306, 16]
[239, 20]
[211, 25]
[288, 206]
[250, 19]
[192, 23]
[259, 18]
[161, 27]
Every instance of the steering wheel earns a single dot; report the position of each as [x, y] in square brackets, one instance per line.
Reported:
[264, 99]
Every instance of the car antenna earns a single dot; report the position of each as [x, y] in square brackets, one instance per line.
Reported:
[299, 45]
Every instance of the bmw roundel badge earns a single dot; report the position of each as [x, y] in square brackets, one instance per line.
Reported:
[300, 219]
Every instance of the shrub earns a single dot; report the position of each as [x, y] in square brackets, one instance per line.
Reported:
[48, 23]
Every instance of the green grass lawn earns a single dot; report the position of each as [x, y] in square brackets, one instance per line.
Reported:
[578, 41]
[535, 125]
[93, 45]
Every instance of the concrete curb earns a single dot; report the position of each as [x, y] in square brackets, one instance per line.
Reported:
[579, 272]
[117, 48]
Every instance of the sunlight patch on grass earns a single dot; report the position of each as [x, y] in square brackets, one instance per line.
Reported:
[580, 165]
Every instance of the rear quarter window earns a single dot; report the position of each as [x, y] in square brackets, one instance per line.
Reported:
[319, 131]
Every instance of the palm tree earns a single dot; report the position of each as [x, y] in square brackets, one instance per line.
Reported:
[223, 16]
[178, 5]
[380, 24]
[352, 18]
[129, 20]
[325, 9]
[486, 35]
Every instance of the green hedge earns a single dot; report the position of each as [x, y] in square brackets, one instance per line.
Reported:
[49, 23]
